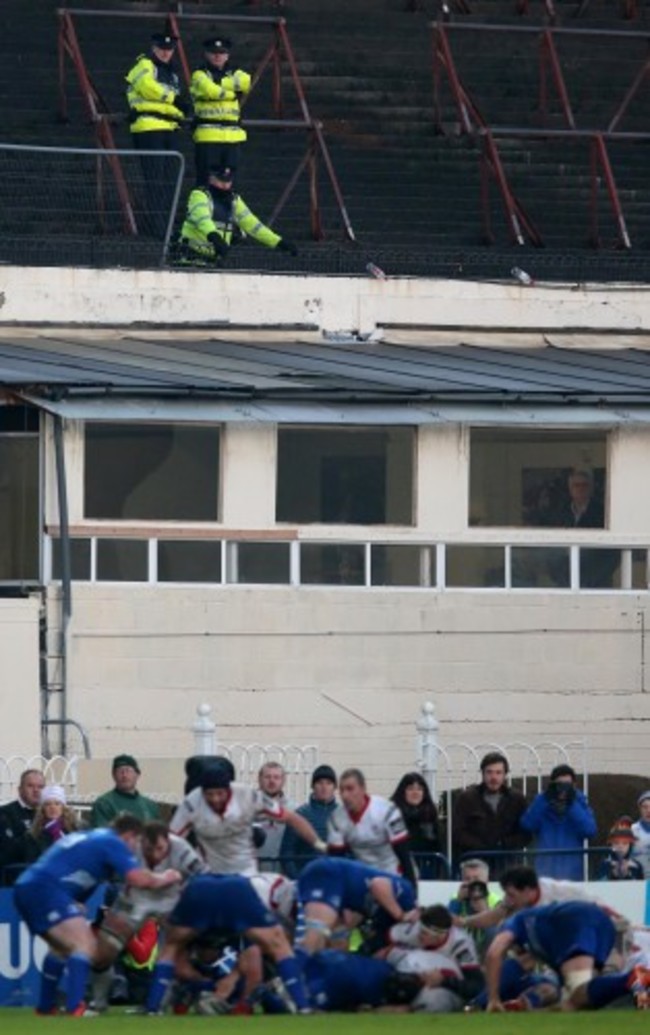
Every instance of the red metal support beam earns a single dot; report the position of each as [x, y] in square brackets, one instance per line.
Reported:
[443, 58]
[602, 159]
[630, 95]
[549, 55]
[69, 47]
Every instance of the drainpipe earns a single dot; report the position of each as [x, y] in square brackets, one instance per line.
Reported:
[66, 573]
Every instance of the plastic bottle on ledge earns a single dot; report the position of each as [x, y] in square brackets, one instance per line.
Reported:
[521, 276]
[375, 271]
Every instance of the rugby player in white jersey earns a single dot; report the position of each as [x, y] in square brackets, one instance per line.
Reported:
[370, 827]
[444, 956]
[221, 813]
[158, 851]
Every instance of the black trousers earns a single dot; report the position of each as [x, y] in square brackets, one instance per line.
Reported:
[159, 174]
[215, 155]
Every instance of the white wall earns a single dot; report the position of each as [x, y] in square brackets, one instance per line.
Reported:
[20, 731]
[348, 669]
[214, 299]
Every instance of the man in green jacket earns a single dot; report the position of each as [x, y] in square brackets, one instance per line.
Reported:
[124, 797]
[215, 215]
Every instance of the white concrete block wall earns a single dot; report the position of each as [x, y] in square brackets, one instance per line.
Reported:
[348, 670]
[20, 729]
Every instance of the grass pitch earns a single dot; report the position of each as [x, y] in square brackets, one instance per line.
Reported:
[603, 1022]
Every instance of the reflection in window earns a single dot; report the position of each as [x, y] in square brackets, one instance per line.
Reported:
[600, 569]
[545, 567]
[543, 479]
[79, 559]
[155, 472]
[263, 563]
[332, 564]
[480, 566]
[640, 570]
[403, 565]
[181, 560]
[122, 560]
[19, 507]
[355, 476]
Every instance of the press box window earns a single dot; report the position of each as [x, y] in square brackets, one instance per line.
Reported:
[539, 479]
[355, 476]
[151, 472]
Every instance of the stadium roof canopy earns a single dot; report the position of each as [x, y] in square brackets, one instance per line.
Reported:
[340, 380]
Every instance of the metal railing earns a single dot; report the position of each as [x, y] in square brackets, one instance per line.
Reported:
[98, 194]
[473, 121]
[266, 558]
[589, 857]
[103, 116]
[57, 769]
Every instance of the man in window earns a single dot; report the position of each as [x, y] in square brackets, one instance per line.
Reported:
[582, 508]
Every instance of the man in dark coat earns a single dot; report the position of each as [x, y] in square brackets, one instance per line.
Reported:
[486, 816]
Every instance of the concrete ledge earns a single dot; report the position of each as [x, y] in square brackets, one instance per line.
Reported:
[163, 298]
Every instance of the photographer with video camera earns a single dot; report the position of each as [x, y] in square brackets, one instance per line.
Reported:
[561, 819]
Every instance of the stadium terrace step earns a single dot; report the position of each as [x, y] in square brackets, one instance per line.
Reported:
[413, 196]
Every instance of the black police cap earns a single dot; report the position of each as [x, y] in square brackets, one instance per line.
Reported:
[217, 45]
[221, 173]
[163, 40]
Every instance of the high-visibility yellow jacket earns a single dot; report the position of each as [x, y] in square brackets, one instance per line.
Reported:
[206, 216]
[151, 93]
[217, 106]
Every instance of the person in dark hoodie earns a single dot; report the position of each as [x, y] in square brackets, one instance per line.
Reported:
[294, 852]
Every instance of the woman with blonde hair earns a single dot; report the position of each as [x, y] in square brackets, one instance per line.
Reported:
[54, 818]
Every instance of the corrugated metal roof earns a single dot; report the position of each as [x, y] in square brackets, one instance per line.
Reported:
[349, 371]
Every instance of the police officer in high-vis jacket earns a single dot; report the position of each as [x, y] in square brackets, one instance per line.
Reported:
[215, 215]
[217, 89]
[156, 112]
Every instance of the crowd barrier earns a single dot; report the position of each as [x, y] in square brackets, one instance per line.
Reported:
[21, 956]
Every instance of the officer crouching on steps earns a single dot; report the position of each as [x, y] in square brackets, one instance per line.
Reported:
[215, 216]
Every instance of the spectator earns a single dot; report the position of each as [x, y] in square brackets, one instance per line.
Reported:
[641, 830]
[294, 852]
[217, 217]
[413, 799]
[370, 828]
[620, 864]
[17, 816]
[486, 815]
[474, 897]
[124, 797]
[217, 90]
[560, 818]
[52, 819]
[271, 780]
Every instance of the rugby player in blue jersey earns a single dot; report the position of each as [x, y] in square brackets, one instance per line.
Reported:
[49, 897]
[329, 888]
[229, 905]
[573, 938]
